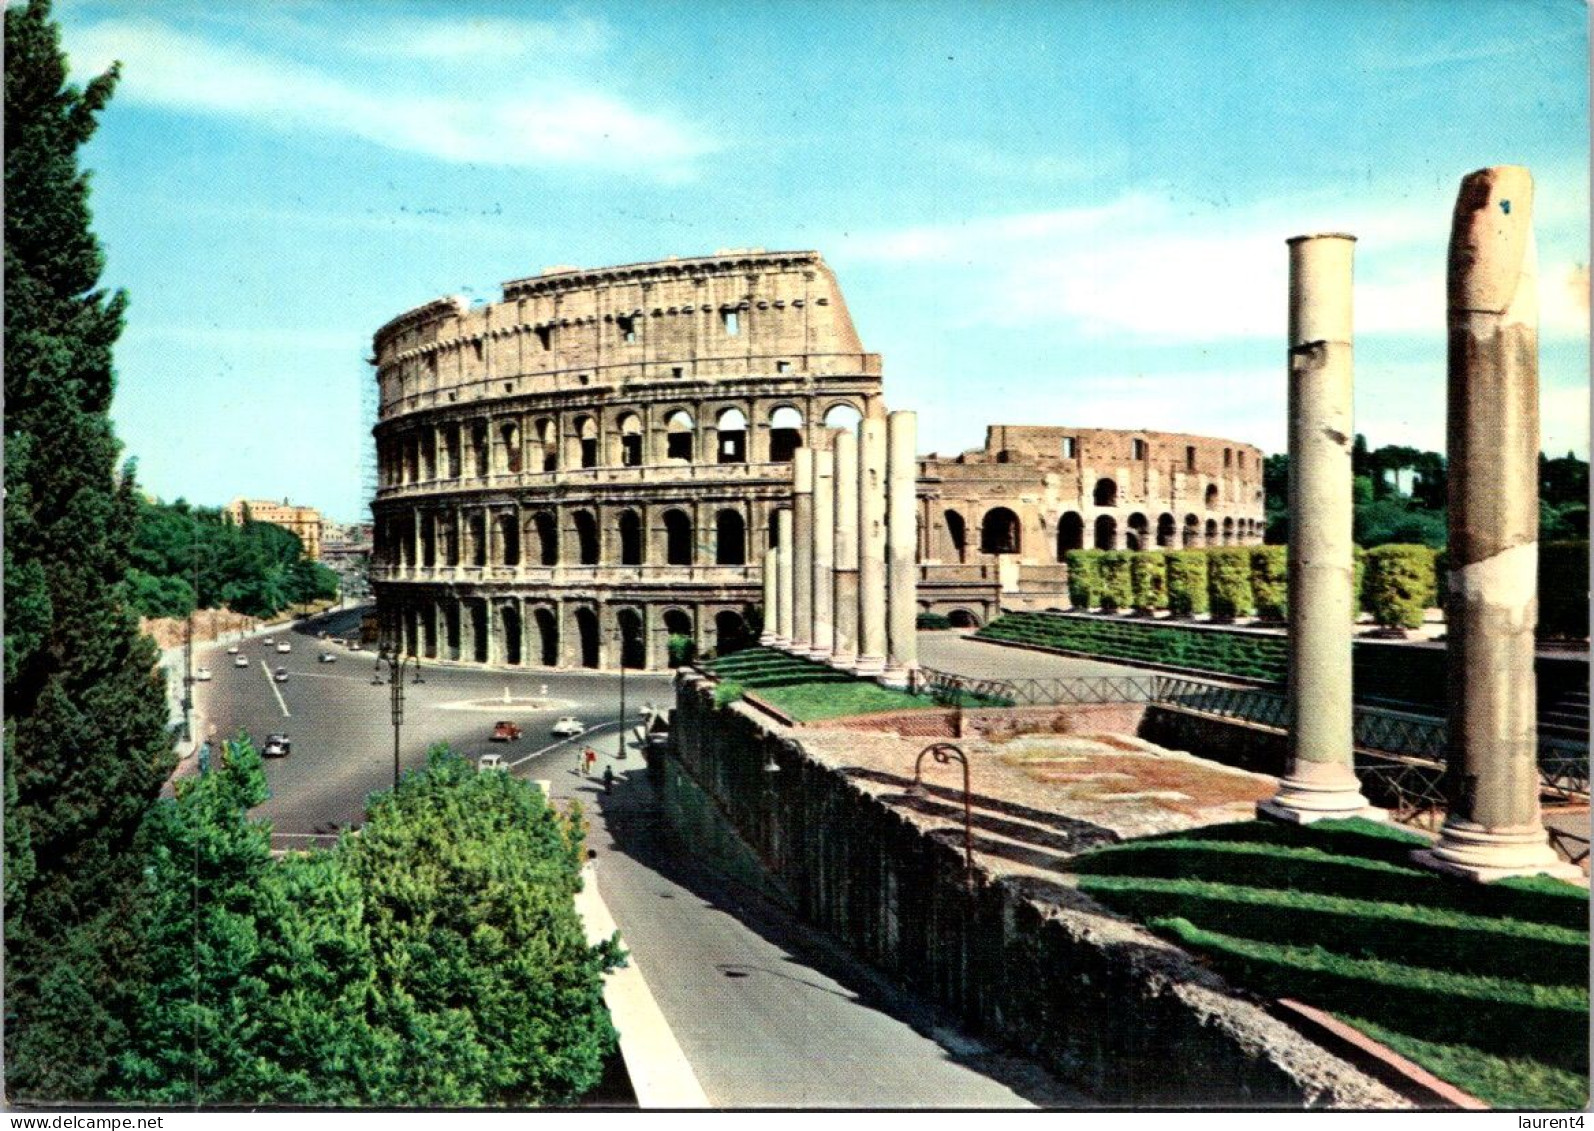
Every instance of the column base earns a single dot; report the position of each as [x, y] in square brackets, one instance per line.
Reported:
[895, 676]
[819, 655]
[842, 661]
[766, 640]
[869, 667]
[780, 642]
[1319, 792]
[1484, 855]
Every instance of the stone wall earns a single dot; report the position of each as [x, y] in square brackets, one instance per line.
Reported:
[1106, 1005]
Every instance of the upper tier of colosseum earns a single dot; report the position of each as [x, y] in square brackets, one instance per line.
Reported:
[718, 317]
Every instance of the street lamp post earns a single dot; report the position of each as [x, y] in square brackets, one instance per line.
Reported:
[621, 753]
[945, 752]
[396, 667]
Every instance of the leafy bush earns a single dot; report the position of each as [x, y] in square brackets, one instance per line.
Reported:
[1187, 582]
[1563, 590]
[682, 649]
[1358, 581]
[1117, 589]
[1229, 583]
[1084, 578]
[1149, 574]
[933, 622]
[727, 691]
[1270, 582]
[1400, 584]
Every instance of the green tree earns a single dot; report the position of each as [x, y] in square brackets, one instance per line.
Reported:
[86, 743]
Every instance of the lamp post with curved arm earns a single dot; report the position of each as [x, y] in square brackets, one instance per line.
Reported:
[396, 666]
[945, 753]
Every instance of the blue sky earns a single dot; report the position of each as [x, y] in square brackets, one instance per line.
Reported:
[1068, 212]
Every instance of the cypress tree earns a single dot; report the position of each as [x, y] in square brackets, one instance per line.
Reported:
[86, 742]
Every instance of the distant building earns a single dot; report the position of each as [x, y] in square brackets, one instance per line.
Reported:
[304, 521]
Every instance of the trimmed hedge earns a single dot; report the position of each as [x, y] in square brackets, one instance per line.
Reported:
[1187, 582]
[1250, 655]
[1229, 582]
[933, 622]
[1084, 578]
[1563, 590]
[1148, 575]
[1117, 589]
[1358, 584]
[1270, 582]
[1399, 585]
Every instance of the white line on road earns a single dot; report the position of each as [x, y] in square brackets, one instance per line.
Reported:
[561, 742]
[265, 667]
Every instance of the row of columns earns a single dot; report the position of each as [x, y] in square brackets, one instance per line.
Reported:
[840, 585]
[1493, 828]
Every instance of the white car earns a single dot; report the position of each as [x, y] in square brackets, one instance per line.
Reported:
[281, 676]
[569, 727]
[269, 640]
[240, 661]
[285, 647]
[492, 762]
[232, 649]
[326, 658]
[201, 675]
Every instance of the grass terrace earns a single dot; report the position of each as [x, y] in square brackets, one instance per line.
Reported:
[1215, 651]
[805, 690]
[1486, 986]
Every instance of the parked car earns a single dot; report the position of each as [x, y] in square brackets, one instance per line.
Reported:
[201, 675]
[277, 746]
[240, 661]
[281, 676]
[269, 640]
[326, 658]
[506, 731]
[285, 647]
[569, 727]
[232, 649]
[492, 762]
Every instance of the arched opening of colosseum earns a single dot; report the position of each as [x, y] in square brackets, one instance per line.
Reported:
[478, 449]
[1135, 537]
[451, 446]
[1070, 534]
[731, 429]
[587, 633]
[785, 434]
[678, 428]
[999, 532]
[429, 453]
[547, 636]
[509, 446]
[1105, 494]
[730, 538]
[631, 540]
[451, 540]
[1192, 530]
[587, 437]
[509, 618]
[843, 416]
[1228, 532]
[478, 539]
[1212, 495]
[478, 631]
[451, 630]
[429, 540]
[1106, 532]
[546, 531]
[633, 649]
[730, 632]
[547, 444]
[1212, 532]
[772, 531]
[962, 618]
[509, 539]
[630, 440]
[957, 533]
[586, 538]
[429, 633]
[1165, 531]
[677, 538]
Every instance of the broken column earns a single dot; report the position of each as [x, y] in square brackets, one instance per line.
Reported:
[783, 573]
[845, 650]
[871, 660]
[824, 635]
[1493, 828]
[802, 506]
[771, 596]
[902, 559]
[1320, 781]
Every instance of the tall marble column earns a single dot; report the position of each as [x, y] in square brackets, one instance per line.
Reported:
[871, 660]
[845, 649]
[802, 508]
[771, 596]
[824, 633]
[1493, 829]
[1320, 781]
[784, 594]
[902, 537]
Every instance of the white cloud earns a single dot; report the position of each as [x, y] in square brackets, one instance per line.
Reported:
[516, 116]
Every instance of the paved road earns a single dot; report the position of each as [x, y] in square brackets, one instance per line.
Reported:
[963, 655]
[767, 1013]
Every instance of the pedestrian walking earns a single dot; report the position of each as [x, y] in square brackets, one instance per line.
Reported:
[592, 759]
[608, 779]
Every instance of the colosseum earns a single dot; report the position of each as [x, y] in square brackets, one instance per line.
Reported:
[575, 474]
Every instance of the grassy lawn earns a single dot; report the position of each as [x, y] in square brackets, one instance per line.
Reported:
[1486, 986]
[806, 690]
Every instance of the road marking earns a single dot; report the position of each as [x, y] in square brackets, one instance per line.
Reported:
[561, 742]
[265, 667]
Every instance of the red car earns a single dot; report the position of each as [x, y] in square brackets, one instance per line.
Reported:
[506, 731]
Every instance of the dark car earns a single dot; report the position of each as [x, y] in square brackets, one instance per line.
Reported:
[506, 731]
[277, 746]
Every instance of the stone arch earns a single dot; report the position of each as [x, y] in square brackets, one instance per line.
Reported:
[1000, 532]
[478, 538]
[678, 622]
[632, 543]
[957, 532]
[1212, 495]
[1228, 532]
[509, 442]
[628, 440]
[509, 628]
[1070, 533]
[730, 538]
[1165, 531]
[679, 429]
[1135, 537]
[1212, 532]
[963, 618]
[842, 414]
[731, 432]
[677, 537]
[1106, 532]
[730, 632]
[586, 433]
[1192, 530]
[547, 438]
[545, 529]
[633, 638]
[586, 537]
[785, 433]
[1105, 493]
[478, 630]
[547, 635]
[479, 447]
[587, 636]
